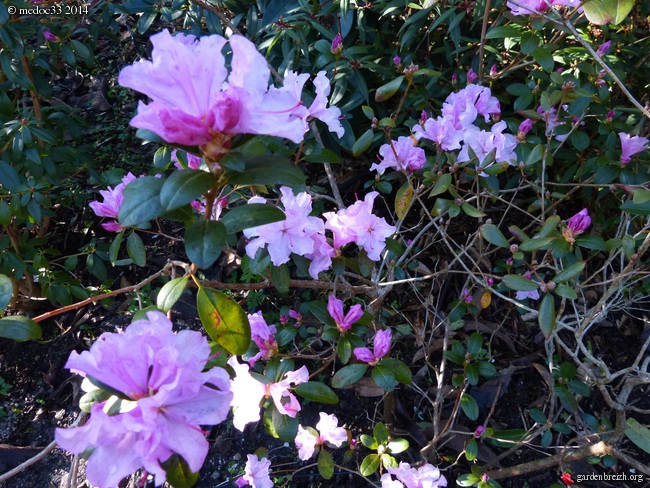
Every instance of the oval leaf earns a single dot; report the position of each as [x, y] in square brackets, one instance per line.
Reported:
[546, 315]
[204, 241]
[135, 249]
[325, 464]
[386, 91]
[469, 406]
[403, 200]
[268, 170]
[251, 215]
[348, 375]
[179, 474]
[363, 143]
[183, 187]
[6, 291]
[316, 392]
[170, 293]
[141, 201]
[493, 235]
[19, 328]
[224, 320]
[519, 283]
[570, 272]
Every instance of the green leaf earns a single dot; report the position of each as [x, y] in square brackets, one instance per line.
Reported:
[325, 464]
[268, 170]
[162, 157]
[369, 465]
[565, 291]
[537, 415]
[519, 283]
[634, 208]
[503, 31]
[9, 178]
[170, 293]
[204, 241]
[529, 42]
[344, 349]
[544, 57]
[386, 91]
[536, 244]
[641, 195]
[384, 377]
[398, 445]
[83, 51]
[251, 215]
[179, 474]
[316, 392]
[471, 449]
[442, 185]
[601, 12]
[94, 396]
[638, 434]
[6, 291]
[400, 370]
[114, 249]
[319, 310]
[369, 441]
[570, 272]
[469, 406]
[19, 328]
[471, 211]
[224, 320]
[403, 200]
[5, 213]
[493, 235]
[380, 433]
[285, 427]
[183, 187]
[280, 278]
[141, 201]
[135, 249]
[349, 375]
[362, 144]
[546, 315]
[508, 437]
[593, 242]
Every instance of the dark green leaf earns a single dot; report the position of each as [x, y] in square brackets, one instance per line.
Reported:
[471, 449]
[325, 464]
[400, 370]
[251, 215]
[317, 392]
[570, 272]
[280, 277]
[348, 375]
[493, 235]
[204, 241]
[442, 185]
[185, 186]
[135, 249]
[386, 91]
[519, 283]
[268, 170]
[384, 377]
[529, 42]
[179, 474]
[546, 316]
[638, 434]
[6, 291]
[469, 406]
[19, 328]
[544, 57]
[362, 144]
[369, 465]
[537, 415]
[224, 320]
[141, 201]
[503, 31]
[114, 249]
[536, 244]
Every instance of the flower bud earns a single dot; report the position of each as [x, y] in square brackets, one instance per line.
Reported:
[50, 37]
[454, 79]
[397, 60]
[493, 71]
[604, 48]
[337, 45]
[471, 76]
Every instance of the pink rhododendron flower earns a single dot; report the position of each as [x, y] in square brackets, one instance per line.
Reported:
[296, 234]
[321, 257]
[483, 143]
[576, 225]
[381, 347]
[328, 432]
[358, 224]
[262, 336]
[427, 476]
[193, 162]
[161, 373]
[524, 128]
[195, 101]
[471, 76]
[631, 145]
[113, 200]
[401, 155]
[343, 322]
[551, 119]
[532, 294]
[248, 393]
[256, 473]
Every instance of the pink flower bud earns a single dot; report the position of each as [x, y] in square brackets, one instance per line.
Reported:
[493, 71]
[50, 37]
[576, 225]
[397, 60]
[423, 117]
[454, 79]
[471, 76]
[337, 45]
[479, 431]
[382, 343]
[525, 127]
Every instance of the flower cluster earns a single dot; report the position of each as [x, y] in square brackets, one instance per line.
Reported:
[427, 476]
[455, 128]
[195, 101]
[401, 155]
[328, 432]
[110, 207]
[304, 235]
[164, 398]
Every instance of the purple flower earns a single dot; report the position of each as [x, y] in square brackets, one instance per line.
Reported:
[401, 155]
[262, 335]
[467, 297]
[397, 60]
[256, 473]
[169, 397]
[454, 79]
[471, 76]
[427, 476]
[604, 48]
[343, 322]
[631, 145]
[337, 45]
[328, 432]
[113, 200]
[483, 143]
[493, 71]
[196, 102]
[529, 7]
[358, 224]
[479, 431]
[50, 37]
[576, 225]
[381, 347]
